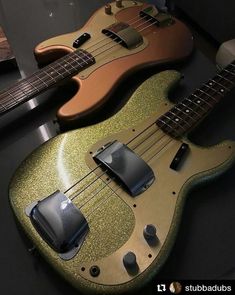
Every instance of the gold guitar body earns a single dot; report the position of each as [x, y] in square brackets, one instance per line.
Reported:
[116, 226]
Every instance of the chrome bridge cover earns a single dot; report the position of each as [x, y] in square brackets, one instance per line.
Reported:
[133, 172]
[60, 223]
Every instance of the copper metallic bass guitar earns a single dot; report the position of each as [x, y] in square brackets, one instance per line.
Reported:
[120, 38]
[103, 203]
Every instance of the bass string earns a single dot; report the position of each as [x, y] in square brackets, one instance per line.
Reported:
[134, 138]
[106, 184]
[105, 200]
[105, 38]
[99, 166]
[93, 170]
[144, 141]
[27, 89]
[138, 135]
[15, 101]
[30, 90]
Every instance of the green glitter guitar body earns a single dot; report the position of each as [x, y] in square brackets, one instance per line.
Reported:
[116, 223]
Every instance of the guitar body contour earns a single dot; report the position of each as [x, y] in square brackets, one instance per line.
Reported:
[116, 227]
[160, 45]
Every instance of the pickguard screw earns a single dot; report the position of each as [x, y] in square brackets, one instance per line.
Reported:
[94, 271]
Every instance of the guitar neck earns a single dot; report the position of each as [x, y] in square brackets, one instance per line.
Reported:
[47, 77]
[191, 110]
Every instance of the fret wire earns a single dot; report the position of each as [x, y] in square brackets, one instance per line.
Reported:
[50, 76]
[20, 97]
[220, 84]
[32, 83]
[201, 95]
[32, 86]
[24, 94]
[74, 60]
[190, 117]
[165, 123]
[42, 80]
[71, 64]
[200, 98]
[222, 77]
[64, 67]
[2, 105]
[197, 104]
[207, 93]
[179, 118]
[54, 69]
[85, 56]
[27, 80]
[169, 118]
[229, 72]
[36, 81]
[11, 95]
[198, 114]
[213, 89]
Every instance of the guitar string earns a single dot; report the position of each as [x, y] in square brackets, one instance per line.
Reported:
[130, 24]
[105, 200]
[106, 185]
[110, 195]
[99, 176]
[140, 19]
[15, 101]
[76, 183]
[164, 135]
[114, 46]
[8, 93]
[103, 172]
[142, 132]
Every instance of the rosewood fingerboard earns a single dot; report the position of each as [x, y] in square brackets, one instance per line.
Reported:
[188, 113]
[27, 88]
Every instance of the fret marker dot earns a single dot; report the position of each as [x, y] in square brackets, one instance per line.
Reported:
[210, 83]
[198, 101]
[221, 90]
[176, 119]
[52, 72]
[187, 111]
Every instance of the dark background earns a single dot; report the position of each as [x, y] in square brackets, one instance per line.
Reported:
[205, 244]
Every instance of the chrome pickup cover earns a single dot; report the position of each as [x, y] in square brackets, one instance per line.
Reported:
[133, 172]
[59, 222]
[125, 34]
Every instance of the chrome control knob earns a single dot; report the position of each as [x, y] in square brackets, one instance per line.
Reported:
[108, 9]
[129, 260]
[119, 3]
[149, 232]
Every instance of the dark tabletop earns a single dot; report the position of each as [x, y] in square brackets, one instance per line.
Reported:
[204, 248]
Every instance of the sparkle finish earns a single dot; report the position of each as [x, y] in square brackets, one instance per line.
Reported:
[116, 226]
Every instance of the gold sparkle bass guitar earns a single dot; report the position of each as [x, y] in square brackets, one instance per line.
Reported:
[103, 203]
[119, 39]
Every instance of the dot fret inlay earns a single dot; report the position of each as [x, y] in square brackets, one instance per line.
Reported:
[186, 114]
